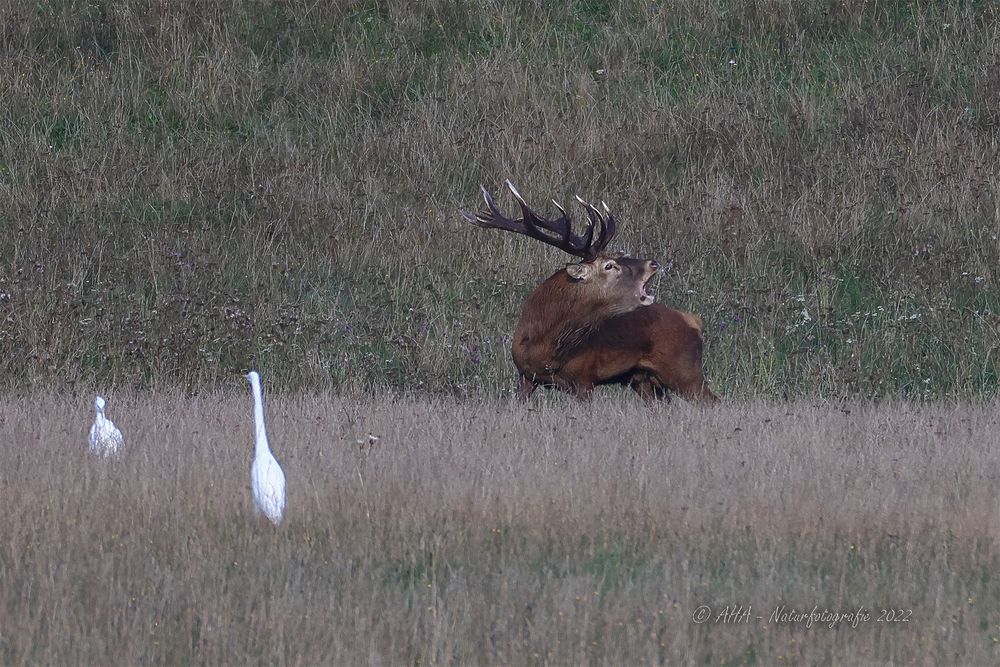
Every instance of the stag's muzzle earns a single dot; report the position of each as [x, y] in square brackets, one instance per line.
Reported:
[645, 298]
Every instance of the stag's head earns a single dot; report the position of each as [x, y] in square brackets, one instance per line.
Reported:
[609, 278]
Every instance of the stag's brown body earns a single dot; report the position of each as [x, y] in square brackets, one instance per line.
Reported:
[593, 322]
[653, 349]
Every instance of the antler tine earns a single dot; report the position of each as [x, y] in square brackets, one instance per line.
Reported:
[491, 204]
[533, 221]
[562, 226]
[529, 217]
[607, 224]
[609, 229]
[596, 221]
[557, 232]
[567, 228]
[493, 218]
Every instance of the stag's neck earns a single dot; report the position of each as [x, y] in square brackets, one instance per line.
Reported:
[555, 320]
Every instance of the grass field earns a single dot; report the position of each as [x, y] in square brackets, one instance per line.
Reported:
[191, 190]
[480, 532]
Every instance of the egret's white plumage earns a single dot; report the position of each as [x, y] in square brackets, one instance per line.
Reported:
[105, 438]
[266, 477]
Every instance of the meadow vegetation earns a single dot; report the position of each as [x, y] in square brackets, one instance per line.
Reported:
[478, 532]
[192, 189]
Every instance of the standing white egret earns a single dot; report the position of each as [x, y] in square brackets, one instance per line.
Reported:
[266, 478]
[105, 438]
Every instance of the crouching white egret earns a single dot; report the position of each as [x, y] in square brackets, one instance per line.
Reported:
[266, 477]
[105, 438]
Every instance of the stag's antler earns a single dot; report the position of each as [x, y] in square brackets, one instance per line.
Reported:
[558, 232]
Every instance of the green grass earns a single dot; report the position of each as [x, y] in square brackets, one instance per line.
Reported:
[178, 182]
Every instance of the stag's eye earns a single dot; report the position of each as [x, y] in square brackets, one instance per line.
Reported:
[610, 265]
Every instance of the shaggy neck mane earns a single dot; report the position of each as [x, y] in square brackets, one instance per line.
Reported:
[563, 312]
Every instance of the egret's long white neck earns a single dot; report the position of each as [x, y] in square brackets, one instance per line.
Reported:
[260, 432]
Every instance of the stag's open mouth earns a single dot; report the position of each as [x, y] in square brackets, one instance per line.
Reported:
[645, 298]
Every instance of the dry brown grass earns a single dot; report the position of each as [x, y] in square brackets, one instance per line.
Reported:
[483, 532]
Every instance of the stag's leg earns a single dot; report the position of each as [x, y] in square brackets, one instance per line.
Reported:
[706, 395]
[644, 388]
[678, 367]
[648, 387]
[579, 387]
[525, 388]
[697, 391]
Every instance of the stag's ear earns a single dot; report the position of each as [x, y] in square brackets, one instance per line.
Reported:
[580, 271]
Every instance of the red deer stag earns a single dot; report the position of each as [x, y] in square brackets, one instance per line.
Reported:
[593, 322]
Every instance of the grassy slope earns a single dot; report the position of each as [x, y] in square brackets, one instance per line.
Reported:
[190, 191]
[478, 532]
